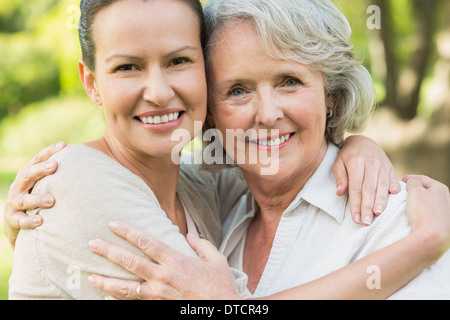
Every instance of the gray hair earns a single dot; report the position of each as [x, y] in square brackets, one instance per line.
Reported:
[314, 33]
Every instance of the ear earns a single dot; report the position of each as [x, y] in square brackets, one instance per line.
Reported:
[88, 80]
[329, 102]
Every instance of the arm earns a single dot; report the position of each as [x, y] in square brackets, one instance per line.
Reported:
[363, 169]
[59, 248]
[175, 275]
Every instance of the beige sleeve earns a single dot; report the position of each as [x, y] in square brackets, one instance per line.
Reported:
[90, 191]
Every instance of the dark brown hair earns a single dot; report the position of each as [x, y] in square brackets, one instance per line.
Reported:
[89, 9]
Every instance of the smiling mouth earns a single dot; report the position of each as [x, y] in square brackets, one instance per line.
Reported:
[273, 142]
[166, 118]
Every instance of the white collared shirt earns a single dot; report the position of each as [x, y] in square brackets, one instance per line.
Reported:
[316, 236]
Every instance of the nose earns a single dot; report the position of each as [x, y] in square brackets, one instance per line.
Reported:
[268, 110]
[157, 88]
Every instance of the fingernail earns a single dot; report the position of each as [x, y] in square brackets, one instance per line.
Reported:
[379, 209]
[339, 188]
[191, 235]
[114, 225]
[93, 245]
[37, 220]
[92, 280]
[357, 218]
[47, 200]
[58, 145]
[50, 165]
[367, 221]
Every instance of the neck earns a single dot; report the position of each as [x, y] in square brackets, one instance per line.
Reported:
[275, 193]
[159, 173]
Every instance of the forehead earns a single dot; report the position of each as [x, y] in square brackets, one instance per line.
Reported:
[135, 22]
[231, 36]
[237, 50]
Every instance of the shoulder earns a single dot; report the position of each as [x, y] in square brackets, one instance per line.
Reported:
[82, 169]
[84, 160]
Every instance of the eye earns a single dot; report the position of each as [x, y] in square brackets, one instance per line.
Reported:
[179, 61]
[292, 82]
[126, 67]
[237, 92]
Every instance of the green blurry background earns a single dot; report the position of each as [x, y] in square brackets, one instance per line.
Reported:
[42, 100]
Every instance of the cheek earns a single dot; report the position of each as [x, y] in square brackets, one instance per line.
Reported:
[123, 93]
[311, 114]
[230, 117]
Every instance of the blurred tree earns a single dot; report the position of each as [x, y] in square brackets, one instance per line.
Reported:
[18, 15]
[26, 73]
[404, 78]
[39, 53]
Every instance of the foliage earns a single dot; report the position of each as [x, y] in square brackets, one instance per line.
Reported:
[72, 119]
[39, 53]
[42, 100]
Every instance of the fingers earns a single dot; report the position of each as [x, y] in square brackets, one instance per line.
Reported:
[38, 167]
[13, 223]
[118, 287]
[153, 248]
[340, 174]
[381, 191]
[28, 175]
[205, 249]
[394, 184]
[370, 183]
[425, 182]
[133, 290]
[356, 175]
[414, 181]
[46, 153]
[161, 279]
[365, 197]
[122, 257]
[25, 201]
[24, 221]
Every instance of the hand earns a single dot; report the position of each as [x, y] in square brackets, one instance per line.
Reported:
[19, 197]
[366, 172]
[168, 274]
[428, 209]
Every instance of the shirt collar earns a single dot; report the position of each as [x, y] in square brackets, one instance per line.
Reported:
[319, 191]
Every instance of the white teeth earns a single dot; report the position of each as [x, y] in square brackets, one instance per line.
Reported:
[274, 142]
[160, 119]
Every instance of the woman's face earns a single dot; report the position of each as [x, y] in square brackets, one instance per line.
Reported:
[268, 98]
[149, 72]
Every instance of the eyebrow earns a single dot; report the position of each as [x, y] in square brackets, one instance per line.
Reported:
[187, 47]
[131, 57]
[275, 76]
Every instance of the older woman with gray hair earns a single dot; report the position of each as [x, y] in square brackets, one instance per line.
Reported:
[285, 70]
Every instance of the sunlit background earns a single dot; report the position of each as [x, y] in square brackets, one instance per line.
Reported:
[42, 100]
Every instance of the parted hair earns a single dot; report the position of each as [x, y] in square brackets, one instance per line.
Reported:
[314, 33]
[89, 9]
